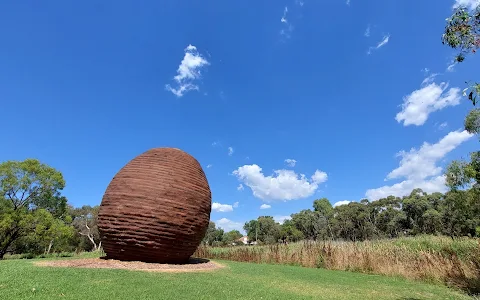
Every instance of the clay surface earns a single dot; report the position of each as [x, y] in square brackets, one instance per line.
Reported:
[156, 209]
[193, 265]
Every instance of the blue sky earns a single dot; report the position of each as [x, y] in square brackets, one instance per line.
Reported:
[259, 93]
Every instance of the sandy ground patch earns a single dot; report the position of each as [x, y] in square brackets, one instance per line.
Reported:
[194, 265]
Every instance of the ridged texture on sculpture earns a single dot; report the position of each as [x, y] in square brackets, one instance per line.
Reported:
[156, 208]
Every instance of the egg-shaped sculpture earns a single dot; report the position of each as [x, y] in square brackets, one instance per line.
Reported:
[156, 208]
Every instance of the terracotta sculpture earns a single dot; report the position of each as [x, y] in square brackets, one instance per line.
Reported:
[156, 208]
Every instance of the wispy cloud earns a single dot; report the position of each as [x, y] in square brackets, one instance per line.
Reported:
[382, 43]
[348, 2]
[442, 126]
[367, 32]
[429, 79]
[188, 71]
[209, 166]
[290, 162]
[240, 187]
[287, 27]
[230, 151]
[451, 67]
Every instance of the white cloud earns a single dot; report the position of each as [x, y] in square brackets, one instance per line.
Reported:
[188, 71]
[435, 184]
[281, 219]
[283, 185]
[367, 31]
[344, 202]
[235, 205]
[470, 4]
[319, 177]
[348, 2]
[419, 168]
[300, 2]
[442, 126]
[240, 187]
[209, 166]
[215, 144]
[421, 103]
[229, 225]
[284, 17]
[451, 67]
[230, 151]
[382, 43]
[288, 27]
[290, 162]
[221, 207]
[429, 79]
[419, 164]
[265, 206]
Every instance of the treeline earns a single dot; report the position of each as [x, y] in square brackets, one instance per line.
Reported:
[455, 213]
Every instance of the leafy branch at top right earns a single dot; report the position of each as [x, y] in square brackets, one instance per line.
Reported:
[462, 33]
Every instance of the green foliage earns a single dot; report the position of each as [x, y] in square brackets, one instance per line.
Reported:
[213, 235]
[264, 229]
[462, 32]
[290, 233]
[29, 196]
[472, 121]
[231, 237]
[460, 173]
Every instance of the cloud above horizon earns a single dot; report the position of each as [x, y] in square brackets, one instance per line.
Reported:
[419, 169]
[283, 185]
[418, 105]
[188, 71]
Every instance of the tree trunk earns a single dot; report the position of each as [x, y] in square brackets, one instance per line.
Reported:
[50, 246]
[9, 241]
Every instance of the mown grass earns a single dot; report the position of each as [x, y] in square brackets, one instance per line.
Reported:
[21, 279]
[428, 258]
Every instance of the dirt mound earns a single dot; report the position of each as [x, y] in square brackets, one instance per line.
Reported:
[193, 265]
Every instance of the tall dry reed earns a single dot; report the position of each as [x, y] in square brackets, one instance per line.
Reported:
[433, 259]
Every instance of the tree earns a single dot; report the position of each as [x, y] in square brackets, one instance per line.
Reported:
[323, 213]
[85, 223]
[352, 222]
[457, 217]
[213, 235]
[290, 233]
[231, 237]
[462, 32]
[47, 233]
[305, 221]
[264, 229]
[26, 186]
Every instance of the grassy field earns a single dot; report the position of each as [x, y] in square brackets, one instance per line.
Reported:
[20, 279]
[427, 258]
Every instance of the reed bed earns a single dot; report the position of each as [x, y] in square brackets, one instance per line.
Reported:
[428, 258]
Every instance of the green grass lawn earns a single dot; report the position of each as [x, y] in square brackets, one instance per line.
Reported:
[20, 279]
